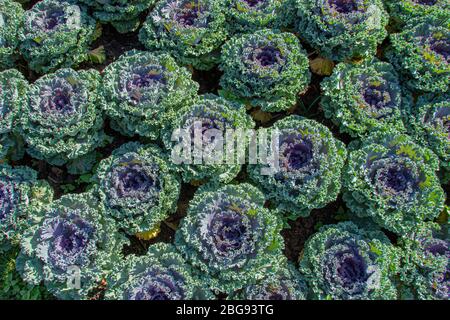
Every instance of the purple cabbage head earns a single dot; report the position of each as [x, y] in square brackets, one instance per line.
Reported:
[73, 242]
[344, 262]
[161, 274]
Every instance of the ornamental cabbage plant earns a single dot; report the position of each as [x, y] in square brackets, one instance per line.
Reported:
[264, 69]
[161, 274]
[137, 187]
[425, 262]
[218, 115]
[429, 124]
[251, 15]
[12, 287]
[393, 180]
[230, 237]
[309, 172]
[71, 248]
[402, 11]
[344, 262]
[122, 14]
[62, 120]
[286, 284]
[56, 34]
[13, 89]
[144, 90]
[20, 192]
[421, 53]
[342, 29]
[11, 16]
[190, 30]
[363, 97]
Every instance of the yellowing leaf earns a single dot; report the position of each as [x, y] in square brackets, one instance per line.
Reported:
[97, 55]
[321, 66]
[261, 116]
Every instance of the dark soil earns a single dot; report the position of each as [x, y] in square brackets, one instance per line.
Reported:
[302, 228]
